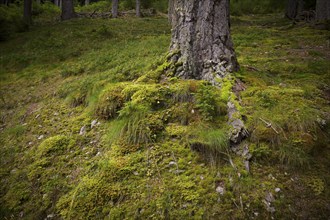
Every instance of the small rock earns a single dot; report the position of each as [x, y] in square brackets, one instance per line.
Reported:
[51, 216]
[38, 115]
[82, 130]
[277, 190]
[256, 214]
[282, 85]
[44, 196]
[41, 137]
[269, 197]
[270, 176]
[40, 126]
[13, 171]
[56, 114]
[192, 111]
[136, 173]
[220, 190]
[270, 209]
[94, 123]
[201, 177]
[178, 171]
[24, 124]
[30, 143]
[98, 153]
[172, 163]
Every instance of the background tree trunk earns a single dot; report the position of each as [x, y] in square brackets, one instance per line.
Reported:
[322, 10]
[86, 2]
[27, 11]
[114, 10]
[67, 10]
[138, 8]
[201, 41]
[294, 8]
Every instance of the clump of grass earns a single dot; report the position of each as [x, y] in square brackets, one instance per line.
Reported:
[213, 144]
[142, 126]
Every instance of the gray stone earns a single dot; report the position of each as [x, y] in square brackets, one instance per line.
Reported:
[93, 123]
[82, 130]
[220, 190]
[172, 163]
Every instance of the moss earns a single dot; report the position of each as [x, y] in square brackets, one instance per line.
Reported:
[110, 102]
[54, 145]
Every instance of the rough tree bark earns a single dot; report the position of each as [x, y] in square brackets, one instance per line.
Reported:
[27, 11]
[114, 10]
[67, 10]
[201, 47]
[294, 8]
[322, 10]
[138, 8]
[201, 39]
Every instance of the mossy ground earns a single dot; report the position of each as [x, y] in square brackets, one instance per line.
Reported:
[160, 150]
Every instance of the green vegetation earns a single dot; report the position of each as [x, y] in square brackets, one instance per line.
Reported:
[94, 125]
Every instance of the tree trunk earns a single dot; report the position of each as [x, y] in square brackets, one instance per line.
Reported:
[86, 2]
[27, 11]
[201, 41]
[201, 48]
[322, 10]
[138, 8]
[67, 10]
[114, 10]
[294, 8]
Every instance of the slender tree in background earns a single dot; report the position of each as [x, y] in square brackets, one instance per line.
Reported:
[114, 10]
[57, 3]
[201, 47]
[322, 10]
[294, 8]
[138, 8]
[27, 11]
[67, 10]
[86, 2]
[4, 2]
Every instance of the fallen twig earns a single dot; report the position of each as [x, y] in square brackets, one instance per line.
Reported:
[269, 125]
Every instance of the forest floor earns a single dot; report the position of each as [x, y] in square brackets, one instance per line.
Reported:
[93, 125]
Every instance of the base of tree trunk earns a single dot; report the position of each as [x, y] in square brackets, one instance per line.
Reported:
[201, 48]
